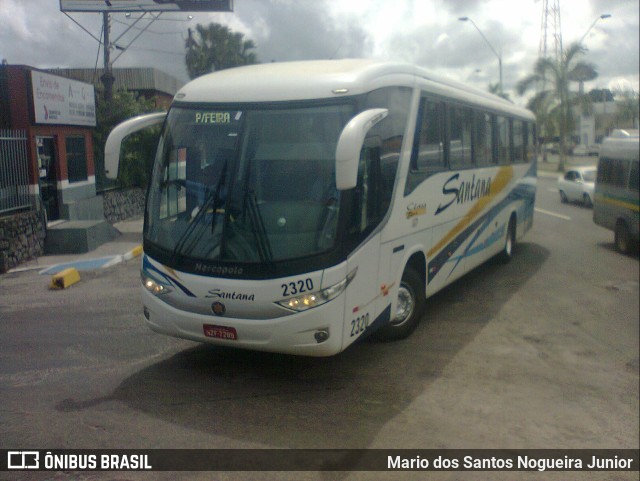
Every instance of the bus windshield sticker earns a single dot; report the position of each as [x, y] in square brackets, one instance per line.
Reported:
[215, 118]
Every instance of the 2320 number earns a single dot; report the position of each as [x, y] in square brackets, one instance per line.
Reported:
[359, 325]
[297, 287]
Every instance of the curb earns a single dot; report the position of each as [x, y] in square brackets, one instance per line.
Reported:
[70, 275]
[133, 253]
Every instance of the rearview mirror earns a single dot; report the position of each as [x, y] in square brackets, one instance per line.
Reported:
[350, 144]
[117, 135]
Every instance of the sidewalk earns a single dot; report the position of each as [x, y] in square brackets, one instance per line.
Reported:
[124, 247]
[550, 167]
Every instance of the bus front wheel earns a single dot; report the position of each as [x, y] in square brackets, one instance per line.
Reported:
[410, 307]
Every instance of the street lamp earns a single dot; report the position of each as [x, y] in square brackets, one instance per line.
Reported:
[467, 19]
[601, 17]
[582, 80]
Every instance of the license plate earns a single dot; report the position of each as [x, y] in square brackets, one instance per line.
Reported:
[220, 332]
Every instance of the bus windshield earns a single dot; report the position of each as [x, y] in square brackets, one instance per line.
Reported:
[254, 185]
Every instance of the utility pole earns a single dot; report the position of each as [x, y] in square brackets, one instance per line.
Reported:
[107, 77]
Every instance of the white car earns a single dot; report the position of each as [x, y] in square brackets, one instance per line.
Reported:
[577, 185]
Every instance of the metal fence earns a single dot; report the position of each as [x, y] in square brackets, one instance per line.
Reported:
[14, 171]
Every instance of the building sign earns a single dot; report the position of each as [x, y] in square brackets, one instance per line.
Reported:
[146, 5]
[59, 100]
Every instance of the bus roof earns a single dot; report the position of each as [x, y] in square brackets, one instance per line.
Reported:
[623, 144]
[325, 79]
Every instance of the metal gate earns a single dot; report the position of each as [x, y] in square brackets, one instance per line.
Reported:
[14, 171]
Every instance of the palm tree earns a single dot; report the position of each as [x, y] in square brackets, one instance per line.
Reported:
[495, 90]
[216, 47]
[541, 105]
[555, 96]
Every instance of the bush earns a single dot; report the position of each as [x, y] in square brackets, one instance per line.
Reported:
[138, 151]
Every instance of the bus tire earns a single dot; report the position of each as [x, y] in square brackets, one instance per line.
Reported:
[622, 238]
[509, 242]
[410, 307]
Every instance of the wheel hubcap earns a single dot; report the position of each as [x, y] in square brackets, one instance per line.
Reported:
[508, 245]
[406, 305]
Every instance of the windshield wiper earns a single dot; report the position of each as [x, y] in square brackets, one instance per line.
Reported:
[259, 230]
[212, 200]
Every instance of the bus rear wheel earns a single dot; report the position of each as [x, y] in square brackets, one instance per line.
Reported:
[410, 307]
[622, 238]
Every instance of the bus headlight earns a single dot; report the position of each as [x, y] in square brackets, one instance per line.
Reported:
[153, 286]
[315, 299]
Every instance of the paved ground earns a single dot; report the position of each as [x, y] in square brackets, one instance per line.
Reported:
[542, 352]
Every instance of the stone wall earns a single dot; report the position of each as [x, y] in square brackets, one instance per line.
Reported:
[21, 238]
[22, 235]
[122, 204]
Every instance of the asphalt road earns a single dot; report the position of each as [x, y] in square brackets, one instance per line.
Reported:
[540, 353]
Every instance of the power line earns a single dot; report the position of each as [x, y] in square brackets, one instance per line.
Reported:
[150, 31]
[157, 51]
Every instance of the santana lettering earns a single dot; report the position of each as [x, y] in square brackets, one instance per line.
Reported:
[238, 296]
[464, 191]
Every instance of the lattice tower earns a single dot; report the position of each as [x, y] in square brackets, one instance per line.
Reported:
[551, 31]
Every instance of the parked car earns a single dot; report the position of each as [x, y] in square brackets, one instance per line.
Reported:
[577, 185]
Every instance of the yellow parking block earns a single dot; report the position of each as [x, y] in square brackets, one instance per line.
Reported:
[65, 278]
[135, 252]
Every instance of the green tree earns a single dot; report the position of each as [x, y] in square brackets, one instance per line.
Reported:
[139, 148]
[541, 105]
[627, 108]
[495, 90]
[555, 76]
[215, 47]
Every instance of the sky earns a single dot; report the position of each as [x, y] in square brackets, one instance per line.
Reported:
[422, 32]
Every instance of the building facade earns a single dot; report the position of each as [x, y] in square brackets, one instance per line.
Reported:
[56, 115]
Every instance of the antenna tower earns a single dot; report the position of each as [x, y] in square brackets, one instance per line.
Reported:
[551, 31]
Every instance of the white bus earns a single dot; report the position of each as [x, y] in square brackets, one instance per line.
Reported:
[617, 200]
[299, 207]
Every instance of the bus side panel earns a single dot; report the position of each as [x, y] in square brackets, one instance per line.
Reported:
[462, 217]
[364, 291]
[617, 203]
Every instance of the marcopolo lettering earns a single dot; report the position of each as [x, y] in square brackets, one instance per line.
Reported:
[216, 269]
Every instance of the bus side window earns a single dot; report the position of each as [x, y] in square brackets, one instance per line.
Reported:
[518, 135]
[634, 180]
[483, 139]
[604, 171]
[620, 171]
[503, 140]
[369, 183]
[427, 155]
[391, 134]
[460, 141]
